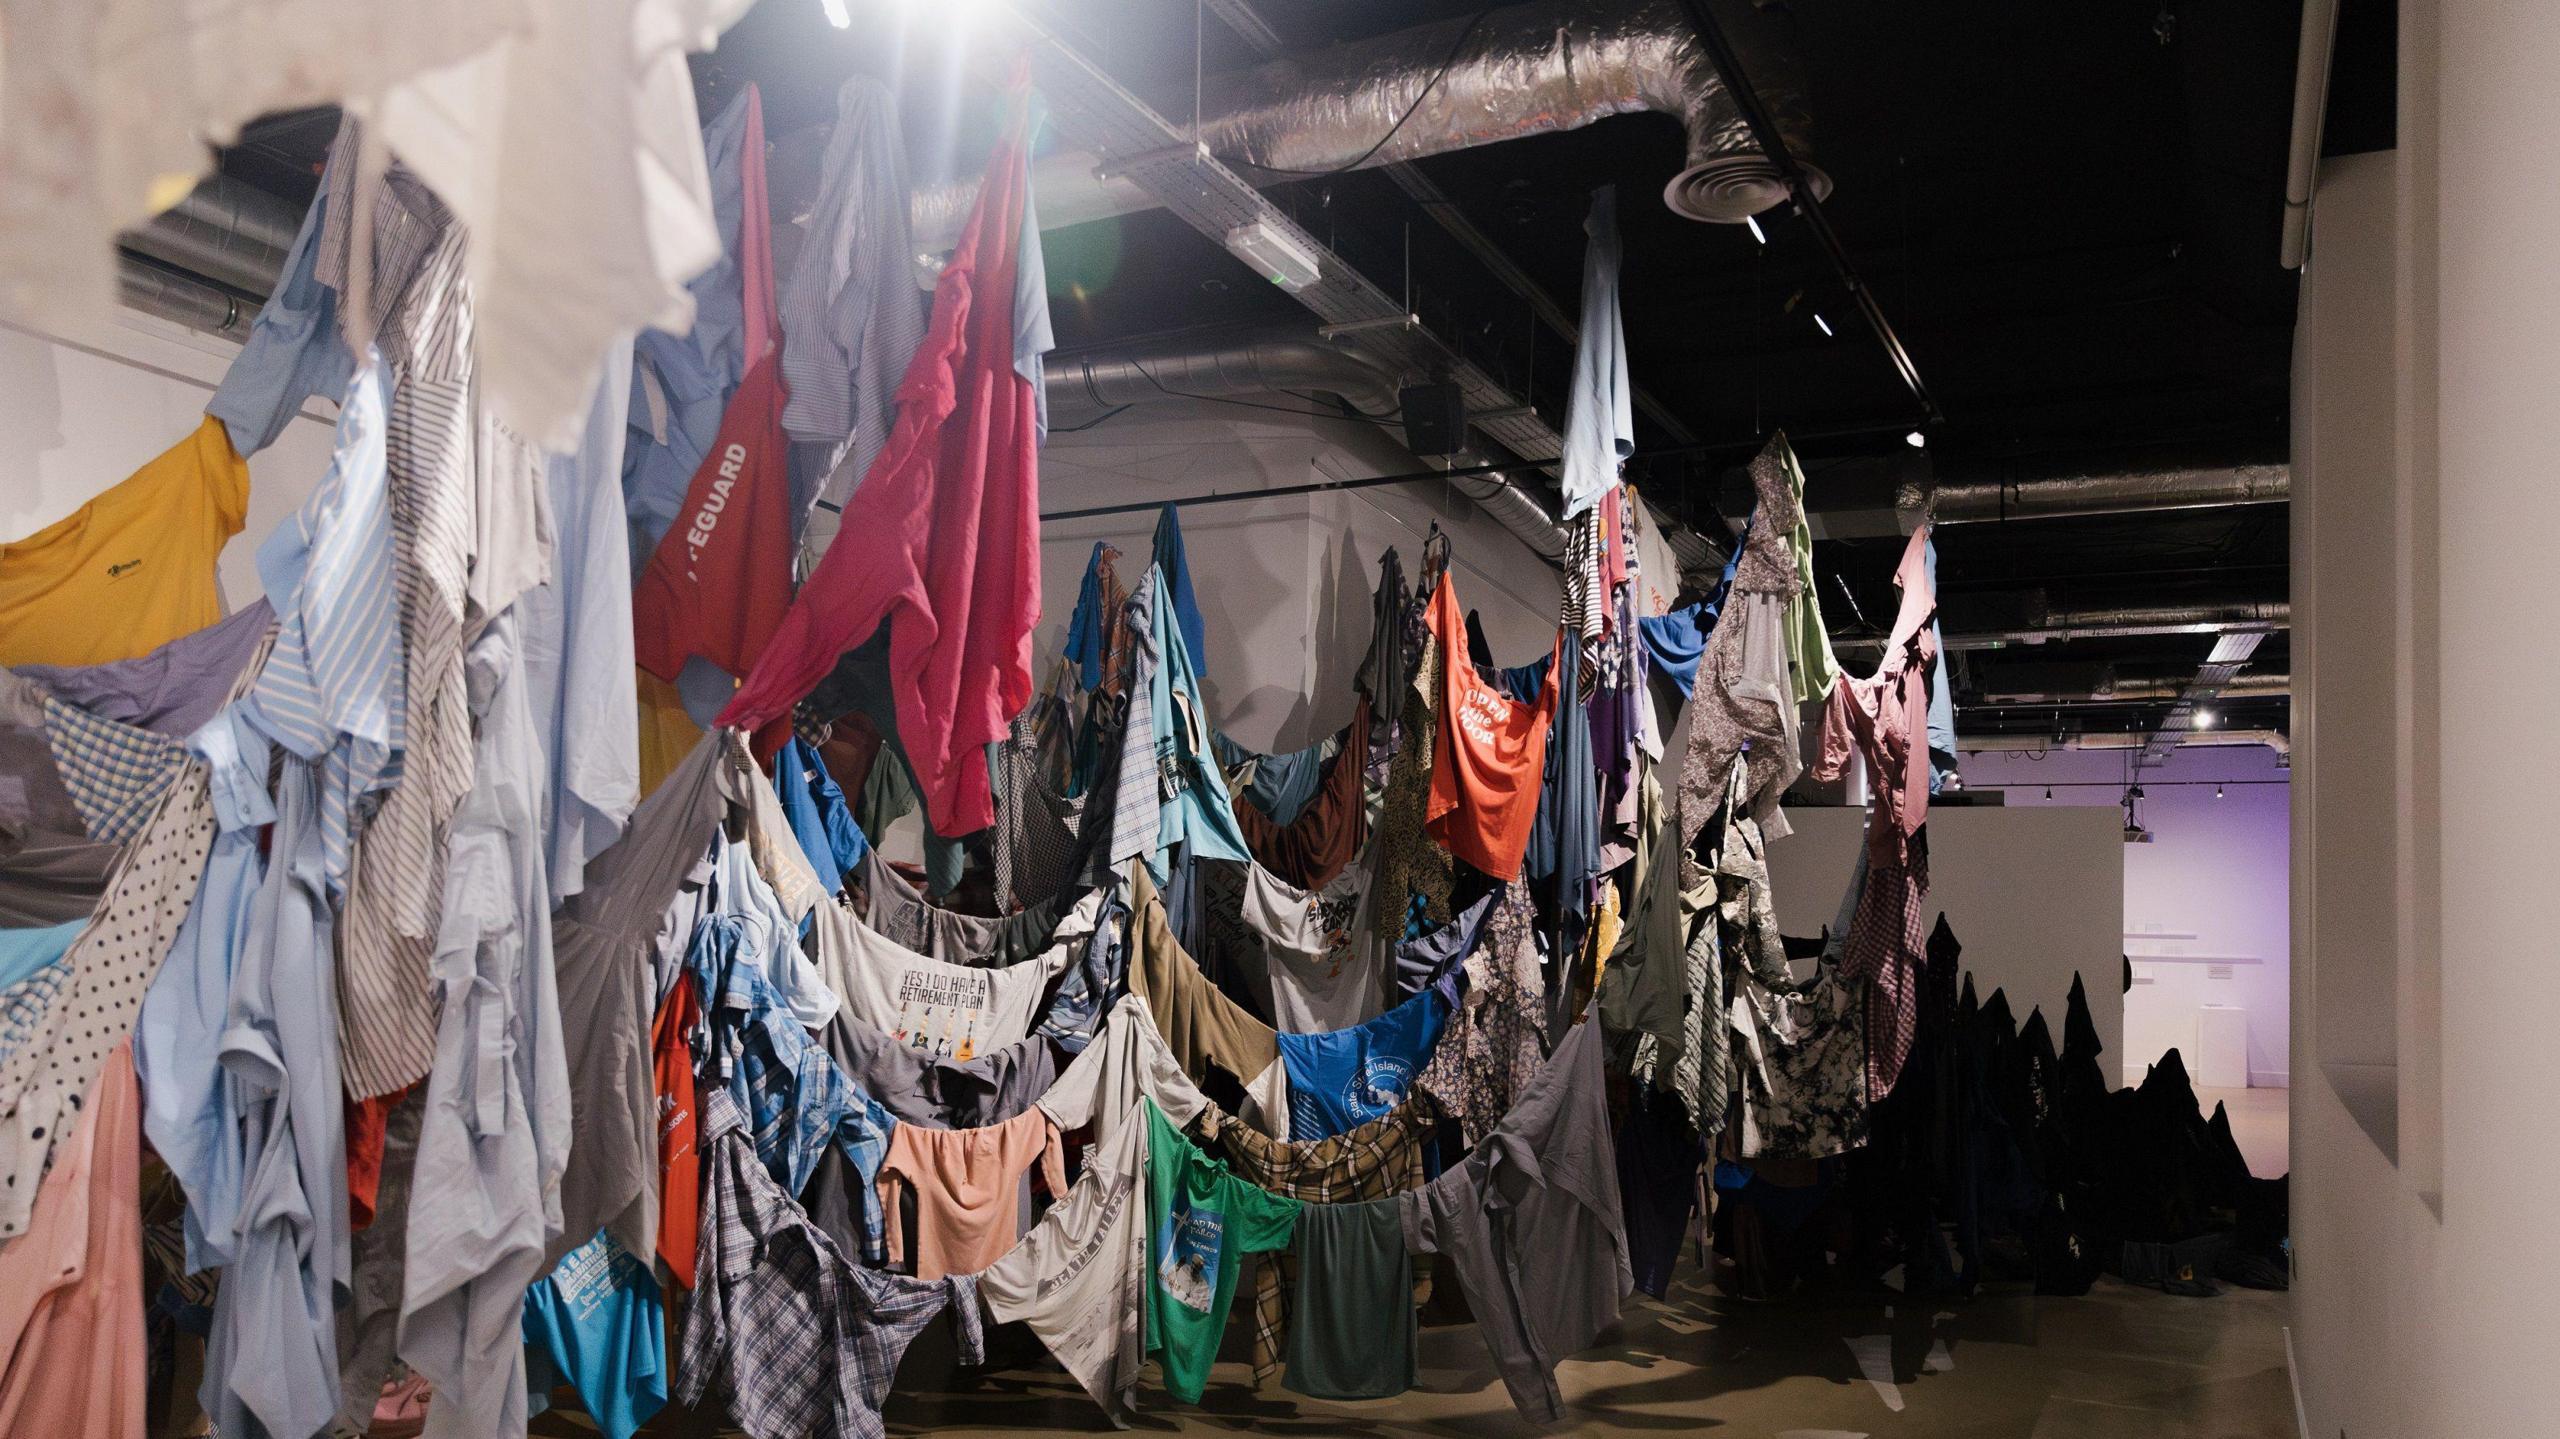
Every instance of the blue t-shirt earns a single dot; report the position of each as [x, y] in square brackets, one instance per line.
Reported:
[814, 806]
[598, 1319]
[1341, 1080]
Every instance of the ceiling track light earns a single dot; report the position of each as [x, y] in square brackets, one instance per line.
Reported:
[1756, 232]
[1916, 440]
[1825, 324]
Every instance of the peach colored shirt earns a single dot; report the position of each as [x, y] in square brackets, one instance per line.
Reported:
[968, 1185]
[71, 1348]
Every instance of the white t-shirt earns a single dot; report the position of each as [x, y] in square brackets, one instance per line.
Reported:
[1127, 1060]
[1326, 969]
[950, 1011]
[1078, 1278]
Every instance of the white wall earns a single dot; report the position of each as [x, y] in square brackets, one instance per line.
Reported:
[2034, 895]
[2210, 887]
[2424, 1244]
[84, 408]
[1283, 583]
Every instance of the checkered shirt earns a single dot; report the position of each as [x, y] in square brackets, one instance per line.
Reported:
[795, 1340]
[1378, 1160]
[116, 773]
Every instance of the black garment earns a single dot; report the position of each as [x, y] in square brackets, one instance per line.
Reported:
[1658, 1160]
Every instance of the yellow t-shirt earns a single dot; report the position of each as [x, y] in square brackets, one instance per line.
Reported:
[132, 569]
[667, 733]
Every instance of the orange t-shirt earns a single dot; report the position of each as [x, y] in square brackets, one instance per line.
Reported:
[679, 1170]
[1488, 755]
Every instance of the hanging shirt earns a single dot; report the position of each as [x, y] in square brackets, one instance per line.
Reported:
[172, 690]
[1329, 830]
[577, 644]
[682, 380]
[1488, 755]
[133, 568]
[1885, 719]
[71, 1287]
[720, 579]
[1279, 785]
[937, 1094]
[1095, 642]
[1203, 1220]
[790, 1338]
[851, 316]
[598, 1319]
[679, 1124]
[898, 911]
[1744, 706]
[1127, 1061]
[942, 538]
[1599, 421]
[294, 351]
[1079, 1278]
[1204, 1029]
[1675, 639]
[1187, 796]
[1353, 1335]
[1325, 968]
[967, 1185]
[1171, 558]
[1341, 1080]
[948, 1011]
[820, 819]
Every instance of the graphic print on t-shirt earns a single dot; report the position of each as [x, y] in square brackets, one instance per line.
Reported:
[938, 1012]
[1187, 1257]
[1380, 1084]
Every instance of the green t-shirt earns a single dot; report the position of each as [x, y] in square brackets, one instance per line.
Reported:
[1201, 1221]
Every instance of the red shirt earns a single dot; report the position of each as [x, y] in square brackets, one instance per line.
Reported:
[1489, 752]
[941, 541]
[679, 1170]
[720, 580]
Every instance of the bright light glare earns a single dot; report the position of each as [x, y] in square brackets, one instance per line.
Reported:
[1825, 324]
[1916, 440]
[837, 15]
[1756, 232]
[2205, 718]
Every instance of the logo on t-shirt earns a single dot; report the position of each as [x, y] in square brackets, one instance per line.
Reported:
[1380, 1084]
[1187, 1257]
[733, 462]
[1481, 711]
[123, 568]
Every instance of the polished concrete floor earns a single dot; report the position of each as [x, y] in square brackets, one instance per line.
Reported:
[2118, 1363]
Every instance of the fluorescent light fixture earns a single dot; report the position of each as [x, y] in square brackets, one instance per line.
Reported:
[1825, 324]
[1756, 232]
[1916, 440]
[2232, 648]
[837, 15]
[1276, 255]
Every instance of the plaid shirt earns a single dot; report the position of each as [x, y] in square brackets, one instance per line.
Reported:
[1378, 1160]
[116, 773]
[797, 1098]
[797, 1342]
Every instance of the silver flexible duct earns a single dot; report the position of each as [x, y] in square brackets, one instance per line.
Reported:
[1522, 70]
[1266, 365]
[2109, 493]
[226, 230]
[198, 306]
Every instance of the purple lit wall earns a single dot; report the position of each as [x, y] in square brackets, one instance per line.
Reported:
[2207, 895]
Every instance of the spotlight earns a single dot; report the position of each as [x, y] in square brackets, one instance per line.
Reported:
[2048, 791]
[1916, 440]
[2217, 791]
[2205, 717]
[1825, 324]
[1756, 232]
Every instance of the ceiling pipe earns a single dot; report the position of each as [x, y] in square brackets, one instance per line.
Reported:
[2127, 691]
[223, 230]
[2052, 626]
[2310, 114]
[1503, 74]
[1263, 365]
[2114, 492]
[2276, 740]
[181, 299]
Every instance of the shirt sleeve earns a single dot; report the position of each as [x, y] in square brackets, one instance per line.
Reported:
[1259, 1219]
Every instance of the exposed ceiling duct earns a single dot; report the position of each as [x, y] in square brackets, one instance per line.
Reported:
[1500, 75]
[2109, 492]
[2026, 618]
[224, 230]
[181, 299]
[1997, 694]
[2276, 740]
[1255, 366]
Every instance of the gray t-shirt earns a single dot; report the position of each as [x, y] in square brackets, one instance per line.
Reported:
[1079, 1277]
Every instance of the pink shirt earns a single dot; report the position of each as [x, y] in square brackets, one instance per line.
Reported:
[71, 1349]
[968, 1185]
[1885, 717]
